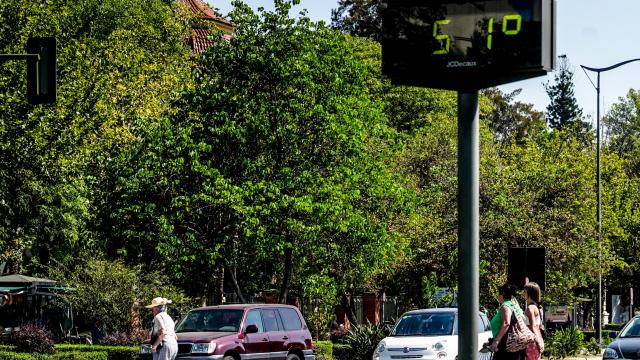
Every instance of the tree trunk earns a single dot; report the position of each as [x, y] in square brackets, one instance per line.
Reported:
[347, 304]
[284, 291]
[236, 287]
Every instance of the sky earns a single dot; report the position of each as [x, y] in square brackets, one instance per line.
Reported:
[594, 33]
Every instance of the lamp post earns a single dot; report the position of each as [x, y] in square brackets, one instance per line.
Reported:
[598, 323]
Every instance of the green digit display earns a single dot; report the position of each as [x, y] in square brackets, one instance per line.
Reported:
[505, 21]
[441, 37]
[490, 36]
[467, 44]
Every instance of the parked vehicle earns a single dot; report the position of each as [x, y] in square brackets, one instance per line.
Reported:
[241, 332]
[627, 344]
[428, 334]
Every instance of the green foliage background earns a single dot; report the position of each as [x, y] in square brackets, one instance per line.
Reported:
[283, 160]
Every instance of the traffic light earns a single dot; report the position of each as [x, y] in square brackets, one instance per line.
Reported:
[41, 73]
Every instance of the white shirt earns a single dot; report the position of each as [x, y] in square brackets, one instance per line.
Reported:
[163, 321]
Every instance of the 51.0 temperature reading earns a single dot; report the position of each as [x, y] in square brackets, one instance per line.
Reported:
[511, 25]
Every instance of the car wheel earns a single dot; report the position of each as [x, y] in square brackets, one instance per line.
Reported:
[228, 357]
[292, 357]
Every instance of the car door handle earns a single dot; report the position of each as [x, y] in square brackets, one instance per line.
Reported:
[285, 338]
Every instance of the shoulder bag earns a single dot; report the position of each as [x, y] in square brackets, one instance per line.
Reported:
[519, 335]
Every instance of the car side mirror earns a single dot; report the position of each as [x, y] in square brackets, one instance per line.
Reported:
[613, 334]
[251, 329]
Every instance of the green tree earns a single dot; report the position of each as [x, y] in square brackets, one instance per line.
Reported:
[116, 59]
[109, 294]
[270, 160]
[563, 111]
[512, 120]
[358, 18]
[622, 124]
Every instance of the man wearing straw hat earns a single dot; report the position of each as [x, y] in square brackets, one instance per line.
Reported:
[164, 343]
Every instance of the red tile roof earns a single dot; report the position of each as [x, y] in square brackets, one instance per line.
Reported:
[205, 12]
[200, 40]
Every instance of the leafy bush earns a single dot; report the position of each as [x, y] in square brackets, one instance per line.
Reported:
[341, 352]
[124, 338]
[324, 294]
[9, 355]
[363, 341]
[33, 339]
[112, 352]
[613, 327]
[108, 291]
[323, 350]
[564, 343]
[593, 347]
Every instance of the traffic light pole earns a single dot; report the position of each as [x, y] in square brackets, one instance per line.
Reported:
[6, 57]
[41, 69]
[469, 224]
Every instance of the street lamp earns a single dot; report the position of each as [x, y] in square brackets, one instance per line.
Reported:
[598, 211]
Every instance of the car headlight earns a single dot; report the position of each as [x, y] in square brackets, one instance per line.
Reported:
[206, 348]
[438, 346]
[381, 347]
[610, 353]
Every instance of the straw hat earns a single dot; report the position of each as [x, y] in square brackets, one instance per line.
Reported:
[159, 301]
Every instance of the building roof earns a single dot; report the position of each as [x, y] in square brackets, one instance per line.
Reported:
[200, 39]
[206, 13]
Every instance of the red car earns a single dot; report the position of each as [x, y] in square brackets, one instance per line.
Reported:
[244, 332]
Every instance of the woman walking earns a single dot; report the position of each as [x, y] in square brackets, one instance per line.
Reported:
[534, 313]
[164, 343]
[501, 321]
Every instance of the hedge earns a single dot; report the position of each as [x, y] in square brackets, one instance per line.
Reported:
[323, 350]
[74, 355]
[77, 352]
[612, 327]
[341, 352]
[113, 352]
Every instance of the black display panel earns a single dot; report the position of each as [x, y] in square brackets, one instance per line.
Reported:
[454, 44]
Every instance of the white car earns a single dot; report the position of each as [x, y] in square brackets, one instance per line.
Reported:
[428, 334]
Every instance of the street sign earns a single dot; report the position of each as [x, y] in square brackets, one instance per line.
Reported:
[467, 45]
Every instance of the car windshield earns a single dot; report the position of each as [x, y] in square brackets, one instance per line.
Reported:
[211, 320]
[425, 324]
[632, 329]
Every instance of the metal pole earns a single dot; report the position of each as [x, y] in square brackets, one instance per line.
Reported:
[6, 57]
[468, 227]
[598, 317]
[599, 221]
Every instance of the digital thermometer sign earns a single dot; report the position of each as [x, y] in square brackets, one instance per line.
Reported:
[458, 45]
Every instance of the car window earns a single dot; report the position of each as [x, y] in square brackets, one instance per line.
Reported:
[270, 320]
[211, 320]
[254, 318]
[290, 319]
[632, 329]
[425, 324]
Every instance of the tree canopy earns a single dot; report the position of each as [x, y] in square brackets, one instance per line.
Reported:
[282, 161]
